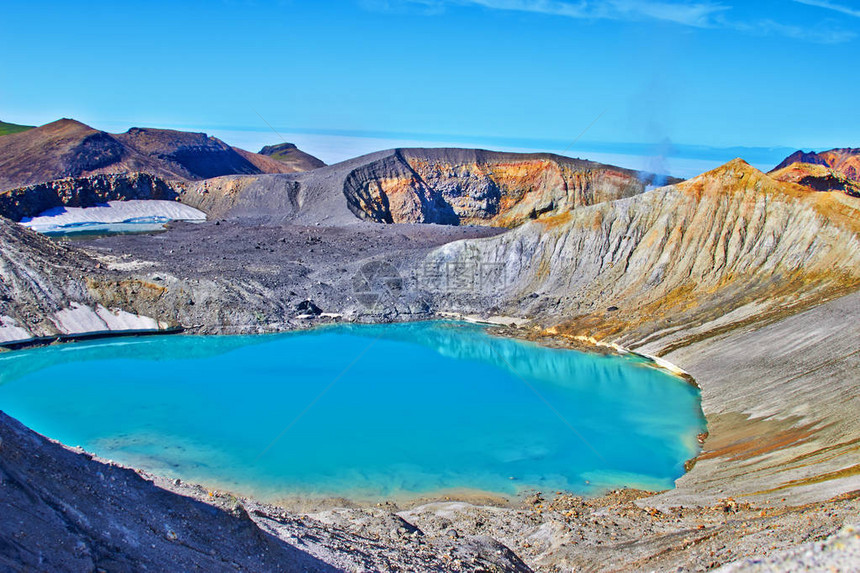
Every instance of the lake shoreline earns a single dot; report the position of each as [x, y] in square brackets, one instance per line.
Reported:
[608, 477]
[727, 515]
[655, 538]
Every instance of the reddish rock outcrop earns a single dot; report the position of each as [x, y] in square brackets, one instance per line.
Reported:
[844, 163]
[817, 177]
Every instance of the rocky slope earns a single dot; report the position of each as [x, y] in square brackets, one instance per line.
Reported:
[67, 148]
[63, 512]
[839, 552]
[675, 263]
[45, 292]
[781, 401]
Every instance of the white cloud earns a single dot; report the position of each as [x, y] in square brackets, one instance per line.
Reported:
[698, 14]
[831, 6]
[809, 34]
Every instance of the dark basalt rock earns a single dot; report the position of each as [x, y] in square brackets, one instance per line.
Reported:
[308, 307]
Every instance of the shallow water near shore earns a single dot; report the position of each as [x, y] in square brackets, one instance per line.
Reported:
[361, 411]
[90, 230]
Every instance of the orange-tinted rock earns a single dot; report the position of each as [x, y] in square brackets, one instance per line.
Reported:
[817, 178]
[678, 262]
[476, 187]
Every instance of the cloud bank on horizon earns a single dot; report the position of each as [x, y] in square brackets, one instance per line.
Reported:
[692, 14]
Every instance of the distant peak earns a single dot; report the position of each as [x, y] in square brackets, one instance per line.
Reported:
[67, 122]
[733, 176]
[280, 147]
[736, 166]
[801, 156]
[738, 162]
[158, 131]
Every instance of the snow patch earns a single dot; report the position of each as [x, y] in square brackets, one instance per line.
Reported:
[122, 320]
[133, 211]
[81, 319]
[11, 332]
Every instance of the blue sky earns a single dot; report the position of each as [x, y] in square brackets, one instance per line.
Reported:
[495, 73]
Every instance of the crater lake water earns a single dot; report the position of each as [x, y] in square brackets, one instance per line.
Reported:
[361, 411]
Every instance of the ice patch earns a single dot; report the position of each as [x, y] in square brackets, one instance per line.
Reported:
[133, 212]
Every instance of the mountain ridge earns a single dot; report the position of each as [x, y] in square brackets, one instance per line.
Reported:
[844, 161]
[69, 148]
[693, 257]
[421, 185]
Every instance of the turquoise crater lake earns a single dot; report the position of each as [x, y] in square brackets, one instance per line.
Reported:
[361, 411]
